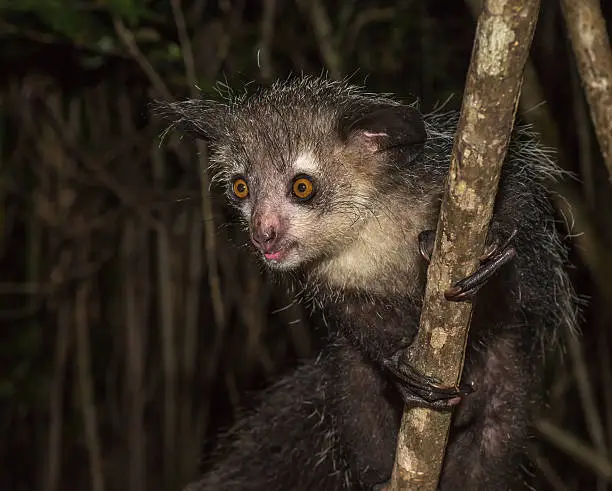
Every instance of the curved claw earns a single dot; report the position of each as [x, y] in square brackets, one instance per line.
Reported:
[496, 255]
[416, 387]
[467, 287]
[426, 243]
[495, 246]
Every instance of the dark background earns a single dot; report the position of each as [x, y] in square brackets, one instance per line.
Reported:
[132, 328]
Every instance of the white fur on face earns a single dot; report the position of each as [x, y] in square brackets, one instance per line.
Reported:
[306, 163]
[383, 258]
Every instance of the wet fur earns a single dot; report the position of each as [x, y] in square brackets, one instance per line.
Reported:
[333, 423]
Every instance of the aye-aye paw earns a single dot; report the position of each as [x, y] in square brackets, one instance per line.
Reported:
[420, 389]
[498, 252]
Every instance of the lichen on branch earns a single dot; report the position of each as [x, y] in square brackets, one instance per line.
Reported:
[501, 47]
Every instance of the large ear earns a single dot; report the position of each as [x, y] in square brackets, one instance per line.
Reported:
[197, 118]
[388, 127]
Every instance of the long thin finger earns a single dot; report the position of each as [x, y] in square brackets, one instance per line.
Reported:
[468, 286]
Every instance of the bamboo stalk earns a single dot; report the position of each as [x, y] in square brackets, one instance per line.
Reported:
[167, 329]
[325, 35]
[214, 281]
[587, 397]
[192, 296]
[189, 430]
[85, 384]
[56, 399]
[134, 360]
[266, 30]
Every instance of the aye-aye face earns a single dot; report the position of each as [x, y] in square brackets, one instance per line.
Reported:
[307, 167]
[303, 206]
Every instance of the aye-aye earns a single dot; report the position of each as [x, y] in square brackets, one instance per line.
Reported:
[341, 190]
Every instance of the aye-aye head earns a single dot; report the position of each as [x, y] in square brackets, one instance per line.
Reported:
[313, 166]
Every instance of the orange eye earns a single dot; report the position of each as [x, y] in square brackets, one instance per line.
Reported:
[240, 188]
[302, 187]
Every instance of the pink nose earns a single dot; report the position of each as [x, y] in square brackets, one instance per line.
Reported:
[265, 232]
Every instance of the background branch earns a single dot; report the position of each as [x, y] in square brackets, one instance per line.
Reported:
[578, 449]
[127, 37]
[324, 33]
[587, 31]
[214, 281]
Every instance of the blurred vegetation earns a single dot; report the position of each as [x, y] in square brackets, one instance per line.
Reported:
[134, 325]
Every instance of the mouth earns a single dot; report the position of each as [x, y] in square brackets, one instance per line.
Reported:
[280, 258]
[273, 256]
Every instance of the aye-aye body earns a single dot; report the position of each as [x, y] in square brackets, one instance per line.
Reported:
[340, 189]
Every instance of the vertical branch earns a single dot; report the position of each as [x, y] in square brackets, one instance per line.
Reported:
[192, 296]
[134, 362]
[168, 341]
[127, 38]
[189, 429]
[583, 134]
[267, 33]
[539, 115]
[503, 36]
[56, 398]
[207, 206]
[324, 32]
[587, 397]
[587, 32]
[214, 281]
[88, 405]
[606, 375]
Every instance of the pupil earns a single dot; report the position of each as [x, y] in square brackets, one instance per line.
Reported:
[241, 188]
[302, 187]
